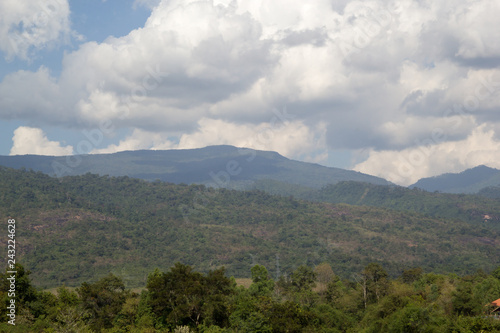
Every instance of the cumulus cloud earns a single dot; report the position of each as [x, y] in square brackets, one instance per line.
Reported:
[378, 75]
[407, 166]
[289, 138]
[29, 140]
[139, 139]
[39, 98]
[32, 24]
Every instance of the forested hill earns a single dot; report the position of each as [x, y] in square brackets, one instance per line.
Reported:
[78, 228]
[469, 181]
[217, 166]
[442, 205]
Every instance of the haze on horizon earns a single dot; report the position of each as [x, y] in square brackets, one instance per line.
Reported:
[396, 89]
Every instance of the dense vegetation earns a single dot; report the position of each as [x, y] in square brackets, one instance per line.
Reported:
[468, 181]
[308, 300]
[81, 228]
[456, 206]
[490, 192]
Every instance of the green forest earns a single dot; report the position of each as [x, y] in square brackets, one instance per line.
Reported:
[119, 254]
[308, 300]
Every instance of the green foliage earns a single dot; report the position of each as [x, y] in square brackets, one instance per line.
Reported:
[102, 301]
[112, 232]
[262, 285]
[17, 290]
[375, 278]
[183, 300]
[496, 273]
[413, 319]
[288, 317]
[183, 297]
[464, 324]
[80, 228]
[443, 205]
[412, 275]
[463, 299]
[492, 192]
[303, 279]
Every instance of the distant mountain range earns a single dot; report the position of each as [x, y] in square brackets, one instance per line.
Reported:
[481, 179]
[242, 169]
[217, 166]
[83, 226]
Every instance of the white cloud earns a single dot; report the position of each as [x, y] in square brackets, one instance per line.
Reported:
[34, 96]
[208, 72]
[290, 138]
[412, 130]
[32, 24]
[433, 158]
[138, 140]
[29, 140]
[478, 26]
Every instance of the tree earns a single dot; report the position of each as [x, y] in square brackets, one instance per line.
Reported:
[216, 305]
[413, 319]
[496, 273]
[324, 274]
[373, 282]
[103, 300]
[175, 297]
[185, 297]
[377, 283]
[303, 278]
[288, 317]
[463, 299]
[24, 294]
[411, 275]
[261, 285]
[334, 290]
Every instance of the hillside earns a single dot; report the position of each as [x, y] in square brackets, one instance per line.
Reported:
[441, 205]
[219, 166]
[79, 228]
[490, 192]
[468, 181]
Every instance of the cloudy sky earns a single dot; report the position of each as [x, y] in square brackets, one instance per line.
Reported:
[399, 89]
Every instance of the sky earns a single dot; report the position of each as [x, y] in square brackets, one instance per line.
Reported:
[400, 89]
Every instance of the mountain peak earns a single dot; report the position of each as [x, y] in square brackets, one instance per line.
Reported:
[226, 165]
[468, 181]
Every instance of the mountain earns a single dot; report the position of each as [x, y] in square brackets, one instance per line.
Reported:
[490, 192]
[465, 207]
[219, 166]
[468, 181]
[80, 228]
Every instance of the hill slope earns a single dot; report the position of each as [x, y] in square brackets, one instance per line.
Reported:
[222, 166]
[468, 181]
[441, 205]
[79, 228]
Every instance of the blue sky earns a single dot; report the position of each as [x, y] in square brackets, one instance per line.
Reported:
[93, 20]
[398, 89]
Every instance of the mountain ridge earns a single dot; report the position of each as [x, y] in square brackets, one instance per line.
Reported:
[471, 180]
[218, 166]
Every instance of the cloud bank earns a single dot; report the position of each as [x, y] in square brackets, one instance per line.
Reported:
[27, 25]
[376, 76]
[28, 140]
